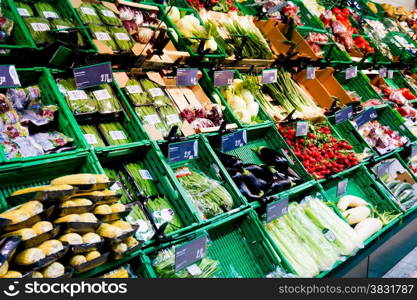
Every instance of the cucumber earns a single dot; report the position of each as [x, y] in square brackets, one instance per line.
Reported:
[406, 196]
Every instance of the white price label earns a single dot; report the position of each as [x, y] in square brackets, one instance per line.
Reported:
[134, 89]
[194, 270]
[77, 95]
[108, 13]
[23, 12]
[152, 119]
[117, 135]
[91, 139]
[102, 94]
[156, 92]
[145, 174]
[50, 15]
[40, 26]
[172, 119]
[117, 186]
[121, 36]
[61, 27]
[102, 36]
[88, 11]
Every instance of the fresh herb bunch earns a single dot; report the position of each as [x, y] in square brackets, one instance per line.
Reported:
[121, 37]
[46, 10]
[24, 9]
[88, 14]
[149, 116]
[143, 178]
[102, 34]
[107, 16]
[163, 212]
[39, 29]
[136, 93]
[106, 99]
[155, 92]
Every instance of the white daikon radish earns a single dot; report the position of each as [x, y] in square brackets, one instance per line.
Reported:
[357, 214]
[368, 227]
[350, 201]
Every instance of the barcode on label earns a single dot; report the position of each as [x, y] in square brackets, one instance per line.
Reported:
[40, 26]
[102, 36]
[101, 94]
[145, 174]
[23, 12]
[91, 139]
[77, 95]
[172, 119]
[134, 89]
[122, 36]
[88, 11]
[152, 119]
[117, 135]
[108, 13]
[156, 92]
[50, 15]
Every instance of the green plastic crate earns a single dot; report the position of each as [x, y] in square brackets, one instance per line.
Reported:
[359, 84]
[66, 10]
[18, 176]
[180, 42]
[331, 50]
[397, 50]
[65, 121]
[307, 18]
[20, 37]
[362, 184]
[387, 117]
[208, 164]
[269, 137]
[399, 81]
[152, 159]
[366, 11]
[127, 117]
[239, 245]
[207, 83]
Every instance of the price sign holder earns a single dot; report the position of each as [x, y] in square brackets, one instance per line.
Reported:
[182, 151]
[190, 252]
[93, 75]
[351, 72]
[343, 114]
[234, 140]
[342, 187]
[187, 76]
[366, 116]
[223, 78]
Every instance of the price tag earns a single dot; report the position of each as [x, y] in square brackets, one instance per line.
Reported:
[122, 36]
[302, 128]
[40, 27]
[102, 36]
[152, 119]
[108, 13]
[351, 72]
[117, 135]
[134, 89]
[156, 92]
[50, 15]
[311, 73]
[269, 76]
[276, 209]
[101, 94]
[344, 114]
[414, 151]
[190, 253]
[9, 77]
[390, 74]
[223, 78]
[382, 72]
[187, 77]
[145, 174]
[366, 116]
[182, 151]
[342, 187]
[91, 139]
[234, 140]
[172, 119]
[23, 12]
[88, 11]
[93, 75]
[329, 235]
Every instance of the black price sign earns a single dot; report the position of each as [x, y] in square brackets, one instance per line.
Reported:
[342, 187]
[182, 151]
[276, 209]
[93, 75]
[9, 77]
[189, 253]
[187, 77]
[269, 76]
[366, 116]
[344, 114]
[223, 78]
[234, 140]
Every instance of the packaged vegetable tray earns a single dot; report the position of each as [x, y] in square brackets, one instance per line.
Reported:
[54, 131]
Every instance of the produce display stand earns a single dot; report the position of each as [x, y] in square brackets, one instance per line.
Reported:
[239, 241]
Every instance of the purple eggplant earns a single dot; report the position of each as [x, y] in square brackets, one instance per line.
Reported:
[279, 186]
[271, 157]
[261, 171]
[230, 161]
[243, 188]
[293, 176]
[254, 183]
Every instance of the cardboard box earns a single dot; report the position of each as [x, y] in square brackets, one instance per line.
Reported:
[323, 87]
